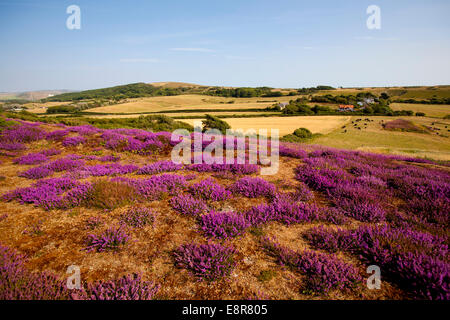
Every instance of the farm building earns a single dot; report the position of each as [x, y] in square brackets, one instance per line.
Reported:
[346, 107]
[282, 105]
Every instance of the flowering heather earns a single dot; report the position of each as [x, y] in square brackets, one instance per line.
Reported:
[187, 204]
[138, 217]
[109, 158]
[17, 283]
[73, 141]
[323, 272]
[57, 135]
[234, 168]
[326, 239]
[156, 187]
[253, 187]
[284, 212]
[223, 225]
[362, 211]
[44, 193]
[51, 152]
[12, 146]
[110, 239]
[77, 196]
[418, 262]
[84, 130]
[292, 152]
[64, 164]
[209, 190]
[21, 134]
[36, 173]
[205, 261]
[160, 166]
[134, 140]
[130, 287]
[31, 158]
[110, 169]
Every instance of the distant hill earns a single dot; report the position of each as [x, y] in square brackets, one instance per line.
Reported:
[172, 85]
[416, 94]
[30, 95]
[133, 90]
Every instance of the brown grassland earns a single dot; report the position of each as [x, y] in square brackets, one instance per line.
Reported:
[62, 240]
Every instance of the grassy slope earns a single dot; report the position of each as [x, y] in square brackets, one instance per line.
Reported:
[431, 110]
[375, 139]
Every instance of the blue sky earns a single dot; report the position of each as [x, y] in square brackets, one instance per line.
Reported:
[284, 43]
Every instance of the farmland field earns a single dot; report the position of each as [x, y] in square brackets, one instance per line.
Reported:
[156, 104]
[430, 110]
[286, 125]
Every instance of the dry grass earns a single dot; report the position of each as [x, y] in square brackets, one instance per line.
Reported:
[430, 110]
[189, 101]
[64, 233]
[287, 125]
[374, 138]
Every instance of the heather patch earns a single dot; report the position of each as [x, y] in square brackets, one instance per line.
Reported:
[323, 272]
[109, 240]
[188, 205]
[253, 187]
[130, 287]
[73, 141]
[209, 190]
[158, 167]
[31, 158]
[205, 261]
[138, 217]
[223, 225]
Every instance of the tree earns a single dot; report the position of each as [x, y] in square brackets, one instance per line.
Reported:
[212, 122]
[303, 133]
[384, 96]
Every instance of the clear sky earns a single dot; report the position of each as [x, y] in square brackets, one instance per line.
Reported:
[282, 43]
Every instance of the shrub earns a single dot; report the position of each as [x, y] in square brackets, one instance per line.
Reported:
[420, 114]
[13, 146]
[109, 169]
[106, 194]
[414, 260]
[138, 217]
[209, 190]
[17, 283]
[324, 272]
[57, 135]
[36, 173]
[111, 239]
[158, 167]
[31, 158]
[205, 261]
[130, 287]
[223, 225]
[109, 158]
[303, 133]
[73, 141]
[44, 193]
[186, 204]
[157, 187]
[22, 134]
[212, 122]
[253, 187]
[282, 211]
[64, 164]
